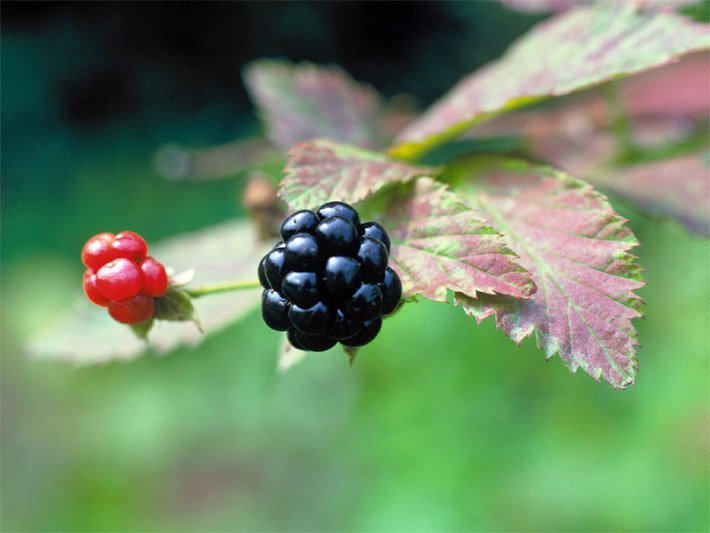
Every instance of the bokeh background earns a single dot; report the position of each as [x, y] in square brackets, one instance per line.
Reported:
[440, 425]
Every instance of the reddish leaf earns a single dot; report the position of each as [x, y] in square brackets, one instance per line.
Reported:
[538, 6]
[303, 102]
[441, 244]
[662, 104]
[573, 243]
[87, 335]
[177, 163]
[676, 187]
[577, 49]
[319, 171]
[556, 6]
[678, 91]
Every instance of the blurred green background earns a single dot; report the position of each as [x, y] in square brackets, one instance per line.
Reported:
[440, 425]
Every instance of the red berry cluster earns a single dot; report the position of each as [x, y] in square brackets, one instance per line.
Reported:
[120, 276]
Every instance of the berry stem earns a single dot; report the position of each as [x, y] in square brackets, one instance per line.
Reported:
[215, 288]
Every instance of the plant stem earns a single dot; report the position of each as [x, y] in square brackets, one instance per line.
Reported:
[215, 288]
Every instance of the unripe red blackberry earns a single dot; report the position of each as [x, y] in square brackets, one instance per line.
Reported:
[120, 276]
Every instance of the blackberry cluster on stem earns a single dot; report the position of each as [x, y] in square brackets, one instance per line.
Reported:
[328, 280]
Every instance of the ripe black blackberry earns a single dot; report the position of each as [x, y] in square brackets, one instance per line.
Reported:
[328, 280]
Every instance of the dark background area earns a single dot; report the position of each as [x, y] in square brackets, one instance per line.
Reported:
[82, 76]
[440, 425]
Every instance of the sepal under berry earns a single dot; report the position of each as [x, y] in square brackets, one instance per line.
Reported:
[176, 306]
[142, 329]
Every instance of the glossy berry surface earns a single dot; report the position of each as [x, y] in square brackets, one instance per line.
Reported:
[343, 328]
[367, 334]
[97, 251]
[293, 337]
[301, 288]
[119, 280]
[134, 311]
[274, 310]
[365, 304]
[376, 231]
[373, 257]
[262, 273]
[299, 222]
[122, 277]
[312, 320]
[315, 343]
[129, 245]
[302, 252]
[391, 288]
[91, 289]
[341, 275]
[329, 280]
[155, 279]
[338, 236]
[338, 209]
[274, 268]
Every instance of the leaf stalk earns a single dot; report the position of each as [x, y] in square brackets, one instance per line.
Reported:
[216, 288]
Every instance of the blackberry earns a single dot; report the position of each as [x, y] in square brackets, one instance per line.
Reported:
[328, 280]
[338, 209]
[374, 230]
[373, 257]
[301, 288]
[299, 222]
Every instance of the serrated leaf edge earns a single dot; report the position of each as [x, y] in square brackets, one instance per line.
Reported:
[552, 348]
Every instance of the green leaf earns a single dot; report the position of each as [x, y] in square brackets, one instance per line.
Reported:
[288, 355]
[299, 102]
[320, 171]
[141, 330]
[580, 48]
[440, 244]
[576, 248]
[86, 334]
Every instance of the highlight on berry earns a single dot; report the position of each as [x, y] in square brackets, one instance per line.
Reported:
[328, 281]
[122, 277]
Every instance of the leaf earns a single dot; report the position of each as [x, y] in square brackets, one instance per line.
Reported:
[177, 163]
[537, 6]
[577, 49]
[440, 244]
[677, 91]
[289, 356]
[576, 248]
[86, 334]
[556, 6]
[676, 187]
[322, 170]
[304, 101]
[662, 105]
